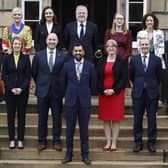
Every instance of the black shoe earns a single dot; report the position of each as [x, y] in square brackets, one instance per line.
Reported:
[137, 147]
[86, 160]
[151, 148]
[67, 159]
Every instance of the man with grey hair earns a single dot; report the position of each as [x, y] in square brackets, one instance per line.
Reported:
[82, 31]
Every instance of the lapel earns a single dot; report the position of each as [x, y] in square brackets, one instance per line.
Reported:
[57, 59]
[75, 29]
[13, 61]
[74, 70]
[45, 59]
[44, 27]
[139, 62]
[150, 62]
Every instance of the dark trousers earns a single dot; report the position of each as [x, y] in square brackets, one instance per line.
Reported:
[139, 106]
[16, 104]
[55, 103]
[83, 115]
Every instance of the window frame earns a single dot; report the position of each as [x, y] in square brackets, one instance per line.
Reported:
[144, 2]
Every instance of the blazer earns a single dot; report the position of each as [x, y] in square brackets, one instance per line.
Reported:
[89, 41]
[41, 34]
[151, 77]
[75, 90]
[16, 77]
[119, 72]
[42, 76]
[158, 42]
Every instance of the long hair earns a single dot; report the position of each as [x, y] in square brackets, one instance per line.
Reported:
[43, 20]
[124, 26]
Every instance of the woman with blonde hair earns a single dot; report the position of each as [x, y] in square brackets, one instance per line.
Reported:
[112, 76]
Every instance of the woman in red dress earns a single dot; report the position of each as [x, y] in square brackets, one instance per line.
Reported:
[112, 76]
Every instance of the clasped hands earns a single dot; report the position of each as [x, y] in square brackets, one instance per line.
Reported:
[109, 92]
[16, 91]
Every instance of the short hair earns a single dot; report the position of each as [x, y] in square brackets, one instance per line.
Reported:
[155, 19]
[111, 42]
[19, 39]
[43, 20]
[77, 45]
[17, 9]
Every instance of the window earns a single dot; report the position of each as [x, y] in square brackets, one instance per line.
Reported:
[135, 9]
[32, 13]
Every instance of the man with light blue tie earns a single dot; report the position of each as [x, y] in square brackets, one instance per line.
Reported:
[145, 74]
[46, 68]
[78, 80]
[82, 31]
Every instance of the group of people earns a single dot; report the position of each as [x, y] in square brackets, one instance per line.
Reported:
[73, 75]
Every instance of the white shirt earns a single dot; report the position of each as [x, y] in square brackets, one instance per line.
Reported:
[80, 67]
[48, 54]
[49, 27]
[147, 58]
[79, 28]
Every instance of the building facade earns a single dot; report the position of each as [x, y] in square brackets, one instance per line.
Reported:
[101, 12]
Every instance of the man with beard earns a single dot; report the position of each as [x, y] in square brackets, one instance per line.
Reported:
[78, 79]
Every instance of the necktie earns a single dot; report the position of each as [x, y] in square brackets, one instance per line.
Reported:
[144, 62]
[51, 62]
[78, 70]
[81, 31]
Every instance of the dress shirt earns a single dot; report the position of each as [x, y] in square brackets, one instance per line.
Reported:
[79, 28]
[80, 67]
[49, 53]
[147, 59]
[16, 58]
[49, 27]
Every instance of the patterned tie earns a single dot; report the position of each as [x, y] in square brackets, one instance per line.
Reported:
[78, 70]
[51, 61]
[81, 31]
[144, 63]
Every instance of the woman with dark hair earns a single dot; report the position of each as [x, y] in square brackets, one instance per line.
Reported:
[16, 72]
[48, 24]
[156, 37]
[150, 30]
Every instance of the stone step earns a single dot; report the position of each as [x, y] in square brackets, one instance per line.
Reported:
[95, 155]
[94, 142]
[32, 106]
[78, 164]
[32, 119]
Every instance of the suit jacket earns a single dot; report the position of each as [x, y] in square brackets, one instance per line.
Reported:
[42, 33]
[151, 77]
[42, 76]
[89, 41]
[119, 72]
[16, 77]
[78, 90]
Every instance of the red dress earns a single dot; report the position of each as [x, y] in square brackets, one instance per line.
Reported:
[111, 107]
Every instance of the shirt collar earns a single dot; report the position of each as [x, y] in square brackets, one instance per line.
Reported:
[81, 61]
[147, 55]
[84, 23]
[48, 50]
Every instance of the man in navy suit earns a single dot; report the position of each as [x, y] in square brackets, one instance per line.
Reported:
[82, 31]
[78, 79]
[145, 74]
[46, 67]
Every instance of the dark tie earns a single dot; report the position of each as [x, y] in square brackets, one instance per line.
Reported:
[144, 63]
[81, 31]
[51, 61]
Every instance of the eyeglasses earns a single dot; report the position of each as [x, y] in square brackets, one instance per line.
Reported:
[119, 18]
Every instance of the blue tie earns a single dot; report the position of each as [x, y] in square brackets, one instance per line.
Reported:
[81, 31]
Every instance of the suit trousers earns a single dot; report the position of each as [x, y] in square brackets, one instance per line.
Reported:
[139, 106]
[16, 104]
[55, 103]
[83, 115]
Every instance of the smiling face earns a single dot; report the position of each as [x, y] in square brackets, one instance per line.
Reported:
[81, 13]
[111, 47]
[149, 22]
[119, 20]
[49, 15]
[17, 16]
[52, 41]
[17, 45]
[78, 52]
[144, 46]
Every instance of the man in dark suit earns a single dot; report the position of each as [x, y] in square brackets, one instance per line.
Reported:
[82, 31]
[46, 67]
[78, 79]
[145, 74]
